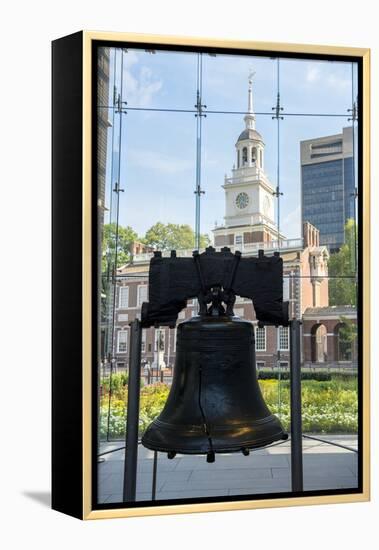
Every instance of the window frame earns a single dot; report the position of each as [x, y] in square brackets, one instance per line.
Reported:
[279, 337]
[120, 296]
[264, 329]
[139, 287]
[126, 332]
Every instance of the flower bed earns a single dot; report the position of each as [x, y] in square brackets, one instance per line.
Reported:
[327, 406]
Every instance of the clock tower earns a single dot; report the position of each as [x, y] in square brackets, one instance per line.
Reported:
[249, 195]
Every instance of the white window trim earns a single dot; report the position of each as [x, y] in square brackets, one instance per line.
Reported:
[288, 339]
[139, 302]
[120, 293]
[286, 288]
[123, 317]
[123, 331]
[256, 339]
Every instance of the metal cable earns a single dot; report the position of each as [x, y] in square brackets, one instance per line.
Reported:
[117, 190]
[355, 195]
[199, 116]
[331, 443]
[109, 259]
[278, 153]
[216, 112]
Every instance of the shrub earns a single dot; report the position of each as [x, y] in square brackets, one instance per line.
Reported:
[320, 376]
[328, 406]
[152, 400]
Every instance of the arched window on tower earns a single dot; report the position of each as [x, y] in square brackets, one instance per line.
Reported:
[244, 155]
[238, 158]
[253, 155]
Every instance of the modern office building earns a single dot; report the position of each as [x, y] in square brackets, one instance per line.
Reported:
[327, 184]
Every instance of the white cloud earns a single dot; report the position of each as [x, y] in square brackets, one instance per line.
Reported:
[313, 73]
[338, 83]
[316, 73]
[140, 84]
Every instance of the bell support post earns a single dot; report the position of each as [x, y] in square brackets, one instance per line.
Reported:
[132, 418]
[296, 421]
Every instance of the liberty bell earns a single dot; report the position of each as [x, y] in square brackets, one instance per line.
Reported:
[215, 404]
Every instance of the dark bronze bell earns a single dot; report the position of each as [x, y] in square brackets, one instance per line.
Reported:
[215, 404]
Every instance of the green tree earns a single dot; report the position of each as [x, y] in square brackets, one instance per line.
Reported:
[124, 236]
[173, 236]
[341, 268]
[347, 338]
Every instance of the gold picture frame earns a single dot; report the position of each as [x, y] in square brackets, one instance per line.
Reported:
[83, 42]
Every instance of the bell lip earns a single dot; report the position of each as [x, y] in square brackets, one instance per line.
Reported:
[198, 429]
[257, 444]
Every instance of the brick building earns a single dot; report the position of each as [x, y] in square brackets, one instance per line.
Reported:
[305, 286]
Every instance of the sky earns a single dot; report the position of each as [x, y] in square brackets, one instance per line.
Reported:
[157, 156]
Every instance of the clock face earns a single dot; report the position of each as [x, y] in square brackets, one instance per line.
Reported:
[242, 200]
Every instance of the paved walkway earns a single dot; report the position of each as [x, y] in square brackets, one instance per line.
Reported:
[263, 471]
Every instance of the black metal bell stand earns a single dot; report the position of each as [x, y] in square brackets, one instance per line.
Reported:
[132, 424]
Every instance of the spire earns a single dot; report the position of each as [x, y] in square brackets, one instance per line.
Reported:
[250, 116]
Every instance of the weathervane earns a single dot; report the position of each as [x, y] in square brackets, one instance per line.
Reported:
[251, 75]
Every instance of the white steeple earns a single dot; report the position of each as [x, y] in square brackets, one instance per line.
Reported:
[249, 195]
[250, 146]
[250, 115]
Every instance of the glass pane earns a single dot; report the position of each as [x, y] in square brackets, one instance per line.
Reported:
[152, 79]
[225, 82]
[316, 87]
[239, 178]
[154, 161]
[330, 389]
[317, 164]
[159, 169]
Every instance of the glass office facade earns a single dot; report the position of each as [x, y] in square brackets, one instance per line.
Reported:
[328, 197]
